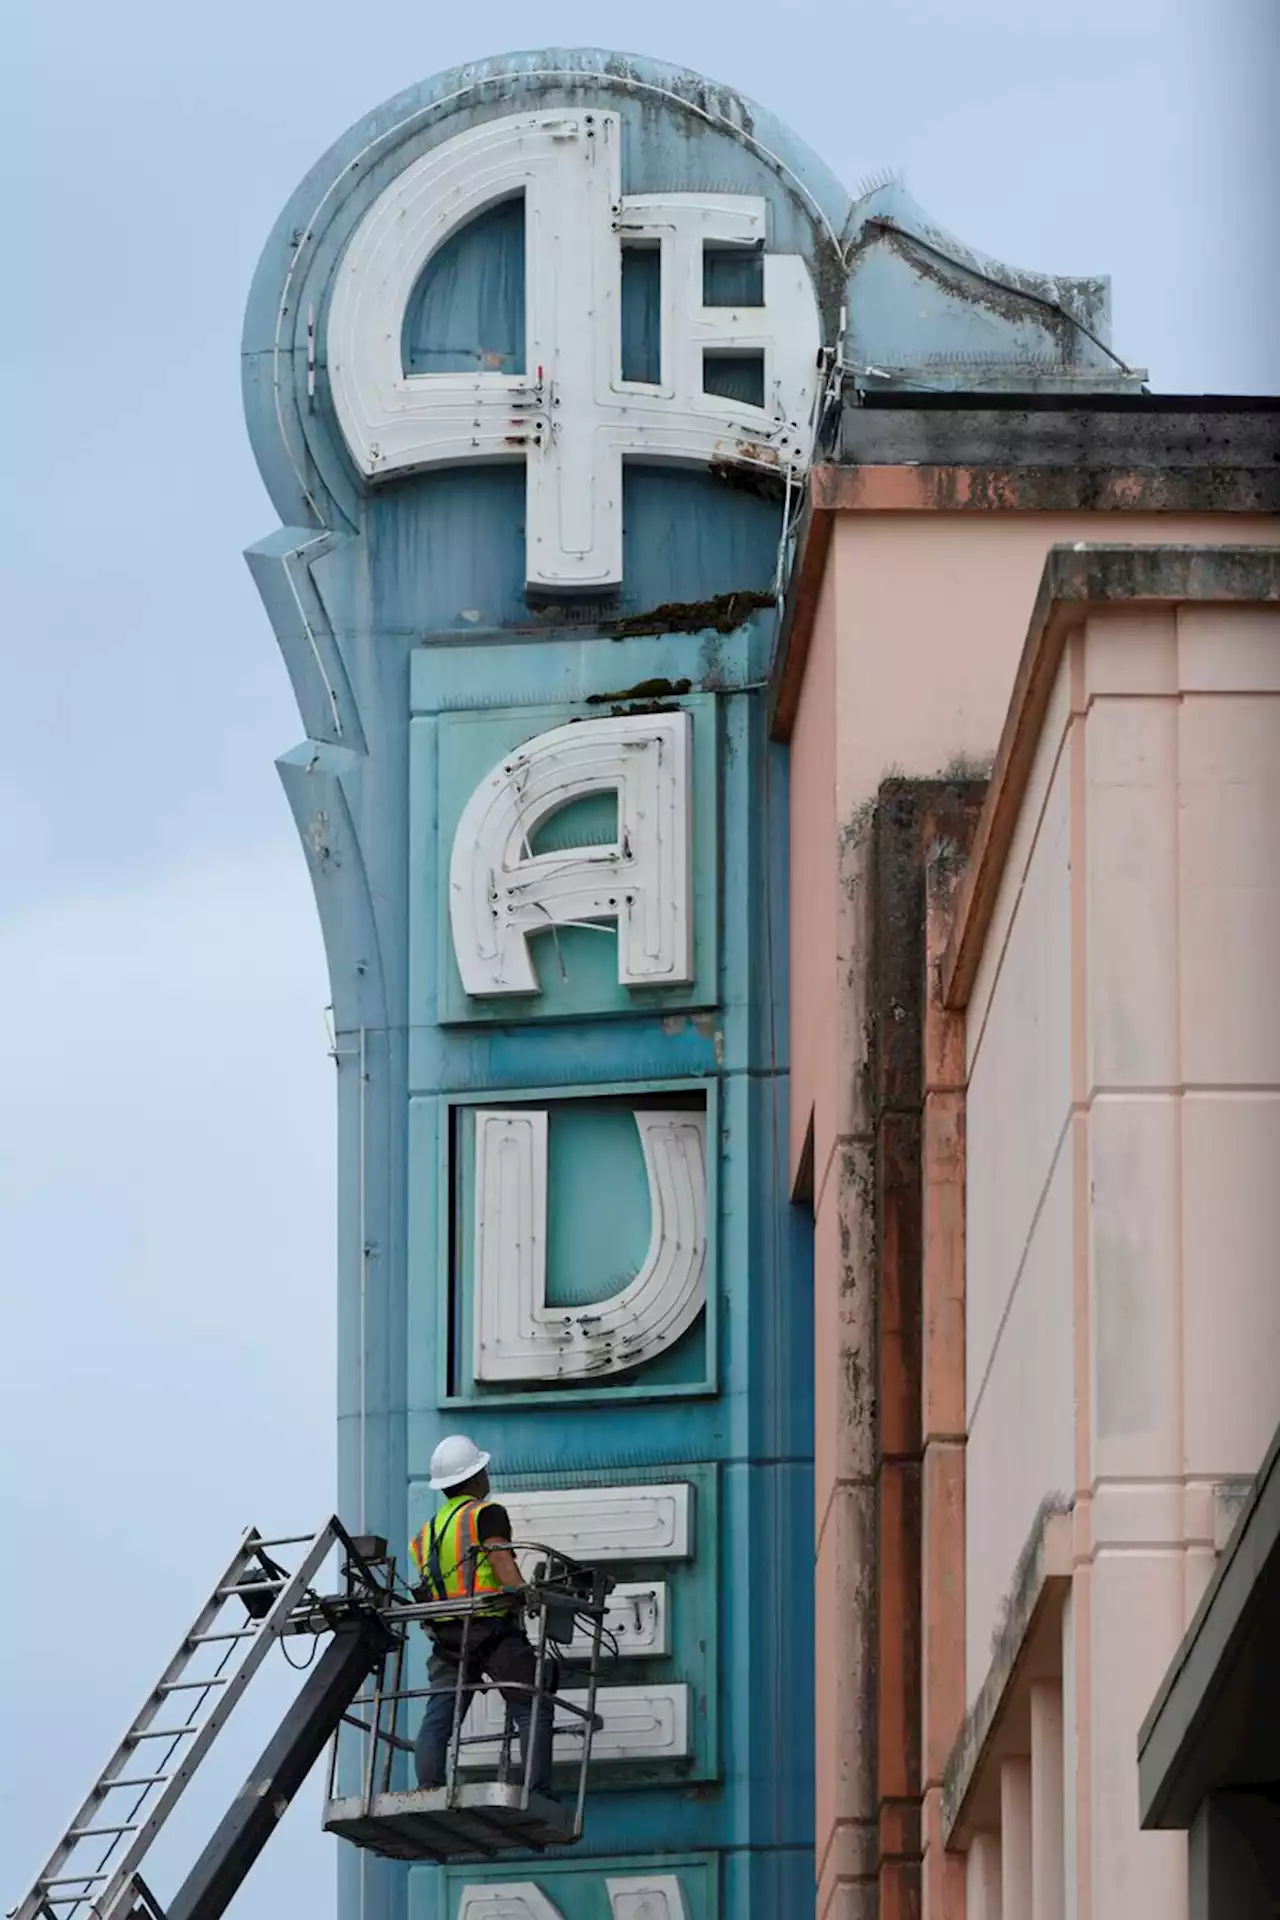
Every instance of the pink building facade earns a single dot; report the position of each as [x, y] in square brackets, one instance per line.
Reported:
[1031, 684]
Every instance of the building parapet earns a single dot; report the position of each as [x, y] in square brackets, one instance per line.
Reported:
[1022, 453]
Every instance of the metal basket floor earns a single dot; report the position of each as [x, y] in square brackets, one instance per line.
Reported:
[434, 1825]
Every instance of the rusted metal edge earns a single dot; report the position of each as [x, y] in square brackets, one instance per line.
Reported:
[1078, 581]
[1042, 1576]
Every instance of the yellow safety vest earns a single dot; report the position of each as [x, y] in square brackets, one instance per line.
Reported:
[442, 1551]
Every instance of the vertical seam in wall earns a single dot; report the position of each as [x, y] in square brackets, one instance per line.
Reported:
[936, 1446]
[1180, 1109]
[1081, 1346]
[1063, 737]
[1063, 1132]
[1078, 844]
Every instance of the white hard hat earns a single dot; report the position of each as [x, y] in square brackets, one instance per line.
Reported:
[456, 1459]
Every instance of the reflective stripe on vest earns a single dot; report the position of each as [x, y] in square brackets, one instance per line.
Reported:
[453, 1571]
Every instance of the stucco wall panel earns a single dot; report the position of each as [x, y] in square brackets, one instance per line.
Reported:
[1134, 1261]
[845, 1598]
[1229, 797]
[844, 1445]
[1027, 1393]
[1131, 877]
[1049, 749]
[1129, 654]
[933, 611]
[1020, 1086]
[928, 602]
[1231, 1229]
[1228, 649]
[813, 839]
[1135, 1875]
[826, 1386]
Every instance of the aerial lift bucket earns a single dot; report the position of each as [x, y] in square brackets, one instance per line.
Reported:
[496, 1812]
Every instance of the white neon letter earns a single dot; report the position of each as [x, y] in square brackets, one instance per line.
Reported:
[500, 891]
[570, 416]
[521, 1901]
[518, 1336]
[649, 1722]
[658, 1896]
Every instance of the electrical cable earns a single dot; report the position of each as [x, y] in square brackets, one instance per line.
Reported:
[301, 1666]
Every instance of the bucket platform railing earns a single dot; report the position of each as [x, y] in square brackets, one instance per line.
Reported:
[487, 1805]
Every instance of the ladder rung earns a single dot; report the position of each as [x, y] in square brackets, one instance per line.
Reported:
[274, 1600]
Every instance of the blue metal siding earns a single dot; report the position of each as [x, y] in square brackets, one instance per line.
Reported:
[466, 314]
[642, 314]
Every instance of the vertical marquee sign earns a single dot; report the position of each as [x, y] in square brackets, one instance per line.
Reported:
[533, 362]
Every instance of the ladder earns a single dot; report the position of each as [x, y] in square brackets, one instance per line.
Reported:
[94, 1871]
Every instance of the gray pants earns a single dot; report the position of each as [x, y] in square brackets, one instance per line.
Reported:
[504, 1656]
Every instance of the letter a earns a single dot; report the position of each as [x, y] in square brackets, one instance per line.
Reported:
[500, 891]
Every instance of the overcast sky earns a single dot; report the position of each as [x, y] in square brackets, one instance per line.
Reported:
[166, 1118]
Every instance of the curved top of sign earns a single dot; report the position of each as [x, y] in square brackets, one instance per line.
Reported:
[609, 152]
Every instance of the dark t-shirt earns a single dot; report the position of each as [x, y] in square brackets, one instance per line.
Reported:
[492, 1523]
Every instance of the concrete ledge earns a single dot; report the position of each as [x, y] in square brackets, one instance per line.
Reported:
[1079, 581]
[1227, 448]
[932, 487]
[1029, 1647]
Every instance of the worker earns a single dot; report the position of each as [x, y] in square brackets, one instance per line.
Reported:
[465, 1551]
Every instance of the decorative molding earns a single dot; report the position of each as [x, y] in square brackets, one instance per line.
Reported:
[570, 415]
[639, 1723]
[601, 1524]
[657, 1896]
[500, 892]
[636, 1618]
[520, 1901]
[517, 1335]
